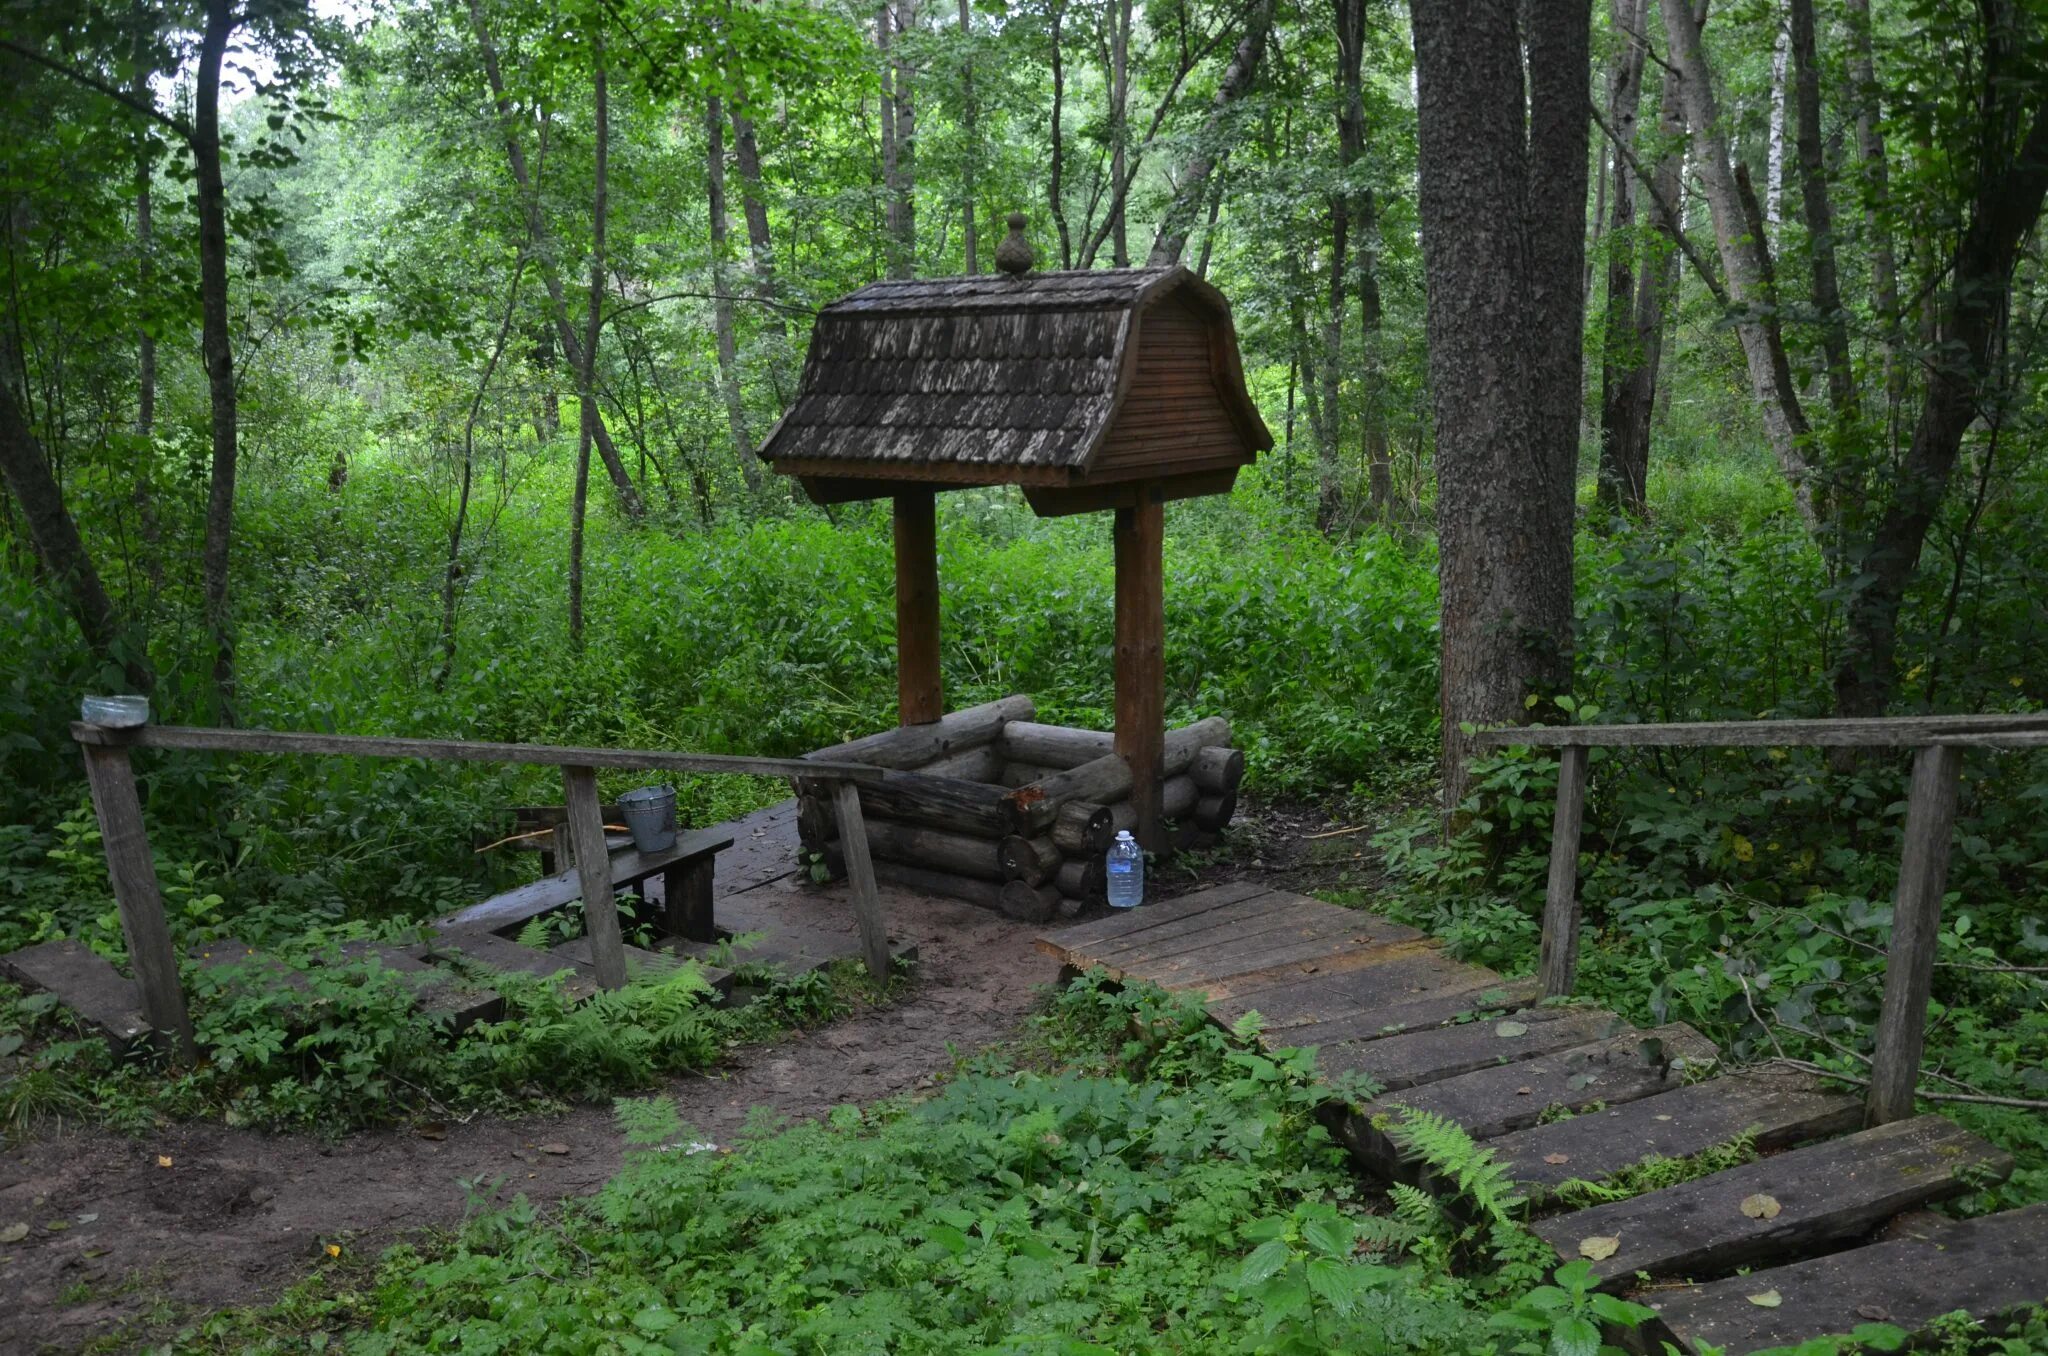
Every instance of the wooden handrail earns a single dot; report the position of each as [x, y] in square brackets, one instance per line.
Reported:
[1938, 741]
[192, 737]
[1903, 732]
[132, 868]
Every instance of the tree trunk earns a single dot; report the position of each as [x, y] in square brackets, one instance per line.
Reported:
[1629, 473]
[1119, 129]
[973, 152]
[1877, 230]
[721, 305]
[1774, 182]
[1621, 482]
[543, 247]
[746, 151]
[1237, 81]
[148, 526]
[62, 551]
[899, 138]
[216, 349]
[1972, 317]
[1055, 173]
[1743, 260]
[1819, 214]
[1503, 211]
[452, 573]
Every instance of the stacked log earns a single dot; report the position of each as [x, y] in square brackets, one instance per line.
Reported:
[989, 806]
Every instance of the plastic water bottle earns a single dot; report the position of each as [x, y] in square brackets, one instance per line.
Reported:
[1126, 872]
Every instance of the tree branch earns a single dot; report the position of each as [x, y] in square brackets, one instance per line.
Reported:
[93, 82]
[1670, 210]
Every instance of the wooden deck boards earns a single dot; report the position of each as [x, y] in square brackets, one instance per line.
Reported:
[1559, 1093]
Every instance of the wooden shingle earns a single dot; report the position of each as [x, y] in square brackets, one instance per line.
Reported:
[1062, 382]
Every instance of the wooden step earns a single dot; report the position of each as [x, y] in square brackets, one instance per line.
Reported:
[1822, 1193]
[1493, 1102]
[1377, 994]
[1496, 1000]
[440, 994]
[1077, 945]
[493, 952]
[85, 982]
[1779, 1106]
[1418, 1057]
[1327, 940]
[1989, 1266]
[794, 948]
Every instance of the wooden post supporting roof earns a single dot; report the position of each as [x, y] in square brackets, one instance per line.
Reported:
[1141, 660]
[920, 695]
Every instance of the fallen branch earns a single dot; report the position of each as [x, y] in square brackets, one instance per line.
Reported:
[1974, 1098]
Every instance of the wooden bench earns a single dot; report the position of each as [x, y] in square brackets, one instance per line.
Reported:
[685, 869]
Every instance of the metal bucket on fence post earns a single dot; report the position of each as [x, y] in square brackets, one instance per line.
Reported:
[651, 817]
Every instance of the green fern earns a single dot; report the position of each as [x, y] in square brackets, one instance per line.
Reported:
[1448, 1155]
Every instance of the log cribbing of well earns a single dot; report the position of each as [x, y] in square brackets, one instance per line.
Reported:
[990, 806]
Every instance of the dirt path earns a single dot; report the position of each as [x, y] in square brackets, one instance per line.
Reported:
[238, 1214]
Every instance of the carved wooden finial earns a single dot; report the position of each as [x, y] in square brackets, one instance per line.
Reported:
[1015, 255]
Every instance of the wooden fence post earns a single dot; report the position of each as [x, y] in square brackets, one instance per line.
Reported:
[1560, 961]
[594, 873]
[133, 872]
[860, 873]
[1916, 928]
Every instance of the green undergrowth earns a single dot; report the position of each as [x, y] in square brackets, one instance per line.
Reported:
[304, 1039]
[1131, 1180]
[1127, 1178]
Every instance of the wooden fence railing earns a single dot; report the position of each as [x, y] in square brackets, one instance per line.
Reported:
[1938, 742]
[133, 870]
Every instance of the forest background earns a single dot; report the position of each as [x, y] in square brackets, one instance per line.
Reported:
[398, 370]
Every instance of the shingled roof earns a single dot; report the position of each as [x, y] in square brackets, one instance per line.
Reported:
[1034, 380]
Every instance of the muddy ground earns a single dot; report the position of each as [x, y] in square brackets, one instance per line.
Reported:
[238, 1215]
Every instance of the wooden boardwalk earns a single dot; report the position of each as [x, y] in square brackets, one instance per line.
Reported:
[1827, 1228]
[450, 973]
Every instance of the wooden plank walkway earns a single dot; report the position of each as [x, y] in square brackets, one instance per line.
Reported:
[1565, 1094]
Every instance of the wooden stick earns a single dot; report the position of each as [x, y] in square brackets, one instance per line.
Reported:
[860, 873]
[1916, 933]
[1560, 960]
[1141, 660]
[132, 870]
[461, 751]
[920, 694]
[1862, 731]
[594, 874]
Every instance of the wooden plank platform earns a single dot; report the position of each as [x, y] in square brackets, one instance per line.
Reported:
[87, 983]
[1558, 1093]
[1988, 1266]
[508, 912]
[493, 952]
[1778, 1107]
[642, 963]
[1782, 1205]
[438, 992]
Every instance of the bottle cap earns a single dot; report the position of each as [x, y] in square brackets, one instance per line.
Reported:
[1123, 835]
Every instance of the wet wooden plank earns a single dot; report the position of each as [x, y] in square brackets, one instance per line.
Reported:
[1272, 972]
[1269, 939]
[1075, 944]
[1493, 1102]
[1988, 1266]
[1418, 1057]
[1386, 992]
[437, 993]
[1321, 943]
[764, 848]
[513, 909]
[493, 952]
[1497, 999]
[1250, 917]
[85, 982]
[1779, 1106]
[1832, 1190]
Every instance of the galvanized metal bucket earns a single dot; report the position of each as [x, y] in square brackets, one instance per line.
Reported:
[651, 817]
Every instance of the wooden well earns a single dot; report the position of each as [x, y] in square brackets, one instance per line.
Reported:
[1105, 390]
